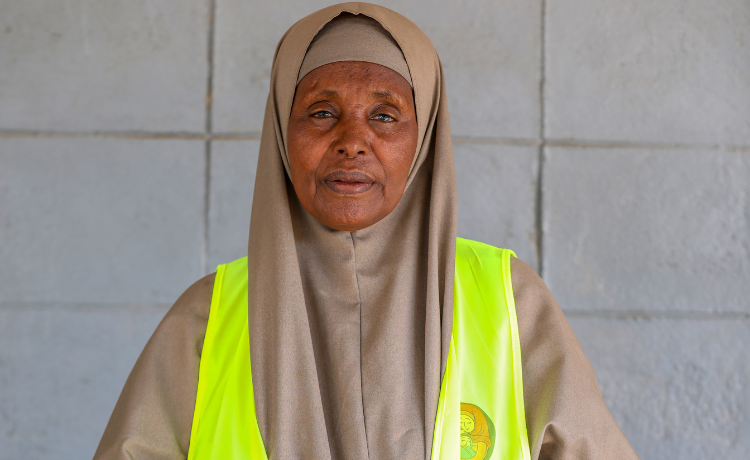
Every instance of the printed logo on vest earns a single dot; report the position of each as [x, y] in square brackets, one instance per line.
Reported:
[477, 433]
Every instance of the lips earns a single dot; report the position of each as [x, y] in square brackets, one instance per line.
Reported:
[348, 182]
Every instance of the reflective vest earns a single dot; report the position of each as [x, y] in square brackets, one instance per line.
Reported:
[480, 411]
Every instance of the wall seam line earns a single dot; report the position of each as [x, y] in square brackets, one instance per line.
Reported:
[480, 140]
[539, 201]
[658, 315]
[208, 129]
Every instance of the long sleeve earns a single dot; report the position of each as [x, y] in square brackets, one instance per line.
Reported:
[153, 417]
[566, 416]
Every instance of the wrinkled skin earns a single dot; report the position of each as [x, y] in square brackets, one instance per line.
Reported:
[352, 138]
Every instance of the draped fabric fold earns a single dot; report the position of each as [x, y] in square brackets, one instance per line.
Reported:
[349, 331]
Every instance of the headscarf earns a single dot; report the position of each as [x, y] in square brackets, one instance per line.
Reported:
[372, 44]
[349, 331]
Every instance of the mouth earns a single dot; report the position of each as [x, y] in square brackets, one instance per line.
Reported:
[348, 183]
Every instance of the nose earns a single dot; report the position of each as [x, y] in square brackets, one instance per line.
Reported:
[352, 138]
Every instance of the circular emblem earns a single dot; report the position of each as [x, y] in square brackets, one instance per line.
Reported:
[477, 433]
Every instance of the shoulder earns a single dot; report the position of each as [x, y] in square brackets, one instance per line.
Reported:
[196, 300]
[525, 280]
[154, 413]
[186, 320]
[538, 313]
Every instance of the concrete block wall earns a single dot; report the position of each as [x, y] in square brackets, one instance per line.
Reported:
[607, 143]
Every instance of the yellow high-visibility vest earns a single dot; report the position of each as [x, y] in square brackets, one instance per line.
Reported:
[480, 411]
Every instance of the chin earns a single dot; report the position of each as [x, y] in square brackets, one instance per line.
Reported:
[348, 223]
[349, 226]
[348, 216]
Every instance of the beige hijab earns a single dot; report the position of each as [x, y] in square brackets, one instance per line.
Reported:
[349, 331]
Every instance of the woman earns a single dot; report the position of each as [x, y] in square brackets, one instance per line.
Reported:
[348, 293]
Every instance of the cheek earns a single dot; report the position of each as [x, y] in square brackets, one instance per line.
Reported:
[304, 159]
[398, 160]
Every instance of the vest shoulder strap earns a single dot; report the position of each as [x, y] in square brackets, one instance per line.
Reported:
[481, 409]
[224, 421]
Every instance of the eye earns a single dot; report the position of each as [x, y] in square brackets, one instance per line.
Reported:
[322, 114]
[384, 118]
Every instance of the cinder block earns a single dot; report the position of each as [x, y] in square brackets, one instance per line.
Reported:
[246, 37]
[83, 65]
[100, 220]
[647, 230]
[233, 165]
[490, 50]
[677, 387]
[670, 71]
[496, 193]
[61, 371]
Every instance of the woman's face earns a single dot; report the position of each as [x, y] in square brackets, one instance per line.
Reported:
[352, 138]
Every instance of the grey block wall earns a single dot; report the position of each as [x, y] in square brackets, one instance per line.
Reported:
[607, 143]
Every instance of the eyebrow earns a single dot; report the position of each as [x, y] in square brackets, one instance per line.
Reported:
[381, 94]
[327, 94]
[387, 96]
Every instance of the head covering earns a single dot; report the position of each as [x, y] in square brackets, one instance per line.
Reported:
[349, 331]
[372, 44]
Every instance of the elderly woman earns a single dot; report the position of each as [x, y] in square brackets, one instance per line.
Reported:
[359, 326]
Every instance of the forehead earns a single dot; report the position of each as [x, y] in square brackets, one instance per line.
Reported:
[341, 79]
